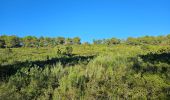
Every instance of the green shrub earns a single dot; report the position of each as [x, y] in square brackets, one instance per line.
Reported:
[68, 50]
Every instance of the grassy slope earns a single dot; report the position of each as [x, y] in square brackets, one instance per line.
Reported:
[114, 72]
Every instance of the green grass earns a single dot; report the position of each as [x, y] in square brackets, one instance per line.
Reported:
[92, 72]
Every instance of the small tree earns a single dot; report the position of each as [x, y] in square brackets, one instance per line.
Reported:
[11, 41]
[60, 40]
[59, 51]
[68, 41]
[68, 50]
[76, 40]
[97, 41]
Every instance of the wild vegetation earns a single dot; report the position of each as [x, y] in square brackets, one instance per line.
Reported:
[64, 68]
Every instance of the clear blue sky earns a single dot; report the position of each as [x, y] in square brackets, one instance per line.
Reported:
[88, 19]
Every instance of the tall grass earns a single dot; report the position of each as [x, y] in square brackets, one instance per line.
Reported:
[111, 75]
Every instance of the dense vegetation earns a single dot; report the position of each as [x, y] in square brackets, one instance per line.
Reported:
[32, 41]
[64, 68]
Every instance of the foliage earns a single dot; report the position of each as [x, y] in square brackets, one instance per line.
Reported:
[2, 43]
[91, 72]
[9, 41]
[32, 41]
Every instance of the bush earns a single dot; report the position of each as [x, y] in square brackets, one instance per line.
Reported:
[68, 50]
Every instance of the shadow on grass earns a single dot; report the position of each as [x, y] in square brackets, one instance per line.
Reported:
[153, 57]
[71, 60]
[153, 63]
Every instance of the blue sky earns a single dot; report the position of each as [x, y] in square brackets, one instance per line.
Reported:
[88, 19]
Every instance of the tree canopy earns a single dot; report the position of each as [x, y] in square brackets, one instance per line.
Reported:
[32, 41]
